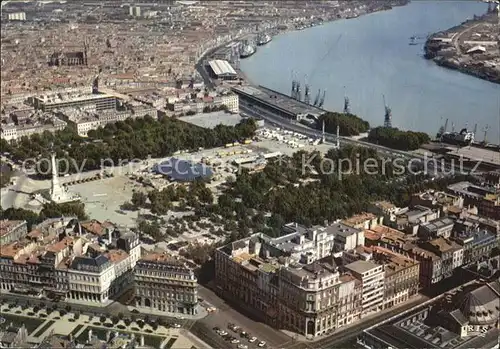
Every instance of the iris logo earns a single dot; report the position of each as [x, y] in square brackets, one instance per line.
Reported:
[481, 331]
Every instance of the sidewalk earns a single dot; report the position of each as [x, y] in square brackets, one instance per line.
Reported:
[202, 312]
[417, 299]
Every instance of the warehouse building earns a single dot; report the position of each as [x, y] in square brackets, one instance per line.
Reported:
[222, 70]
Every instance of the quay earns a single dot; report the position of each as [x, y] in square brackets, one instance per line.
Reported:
[471, 47]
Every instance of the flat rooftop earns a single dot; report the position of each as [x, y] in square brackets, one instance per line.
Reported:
[475, 153]
[279, 100]
[361, 267]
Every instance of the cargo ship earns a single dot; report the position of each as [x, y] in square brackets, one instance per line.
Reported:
[263, 39]
[247, 50]
[462, 138]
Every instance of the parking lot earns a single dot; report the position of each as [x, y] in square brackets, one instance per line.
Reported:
[225, 316]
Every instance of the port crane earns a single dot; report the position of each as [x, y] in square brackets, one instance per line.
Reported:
[322, 100]
[443, 130]
[316, 100]
[307, 94]
[299, 92]
[486, 128]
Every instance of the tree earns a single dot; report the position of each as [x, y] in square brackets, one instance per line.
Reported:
[102, 319]
[139, 199]
[129, 139]
[349, 125]
[397, 139]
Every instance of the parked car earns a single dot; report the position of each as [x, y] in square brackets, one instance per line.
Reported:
[223, 333]
[216, 329]
[235, 341]
[262, 344]
[233, 327]
[253, 339]
[177, 326]
[243, 334]
[242, 346]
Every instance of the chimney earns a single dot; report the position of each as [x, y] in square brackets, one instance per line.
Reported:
[142, 340]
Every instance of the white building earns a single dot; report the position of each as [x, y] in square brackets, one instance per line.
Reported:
[17, 16]
[231, 101]
[135, 11]
[372, 277]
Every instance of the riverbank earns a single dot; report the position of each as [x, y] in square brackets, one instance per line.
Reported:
[348, 10]
[471, 48]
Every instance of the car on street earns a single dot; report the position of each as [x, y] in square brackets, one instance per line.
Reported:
[233, 327]
[262, 344]
[253, 339]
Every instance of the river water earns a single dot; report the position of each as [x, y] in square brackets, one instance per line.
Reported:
[370, 56]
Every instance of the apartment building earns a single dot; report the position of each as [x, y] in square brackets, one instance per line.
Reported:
[347, 238]
[94, 120]
[165, 283]
[372, 278]
[408, 219]
[61, 258]
[308, 297]
[363, 221]
[12, 231]
[97, 102]
[438, 259]
[477, 243]
[289, 282]
[386, 210]
[437, 200]
[441, 227]
[486, 199]
[230, 100]
[401, 276]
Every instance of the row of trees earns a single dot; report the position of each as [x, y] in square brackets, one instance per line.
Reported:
[127, 140]
[5, 174]
[349, 125]
[50, 210]
[398, 139]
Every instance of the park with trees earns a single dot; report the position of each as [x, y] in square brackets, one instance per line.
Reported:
[397, 139]
[124, 141]
[349, 124]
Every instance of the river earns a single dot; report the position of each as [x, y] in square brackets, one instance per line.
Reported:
[370, 56]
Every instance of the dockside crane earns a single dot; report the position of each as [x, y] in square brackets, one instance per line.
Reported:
[294, 85]
[443, 130]
[316, 100]
[299, 92]
[487, 127]
[307, 97]
[322, 100]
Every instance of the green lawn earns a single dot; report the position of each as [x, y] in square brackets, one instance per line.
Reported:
[149, 340]
[43, 328]
[17, 320]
